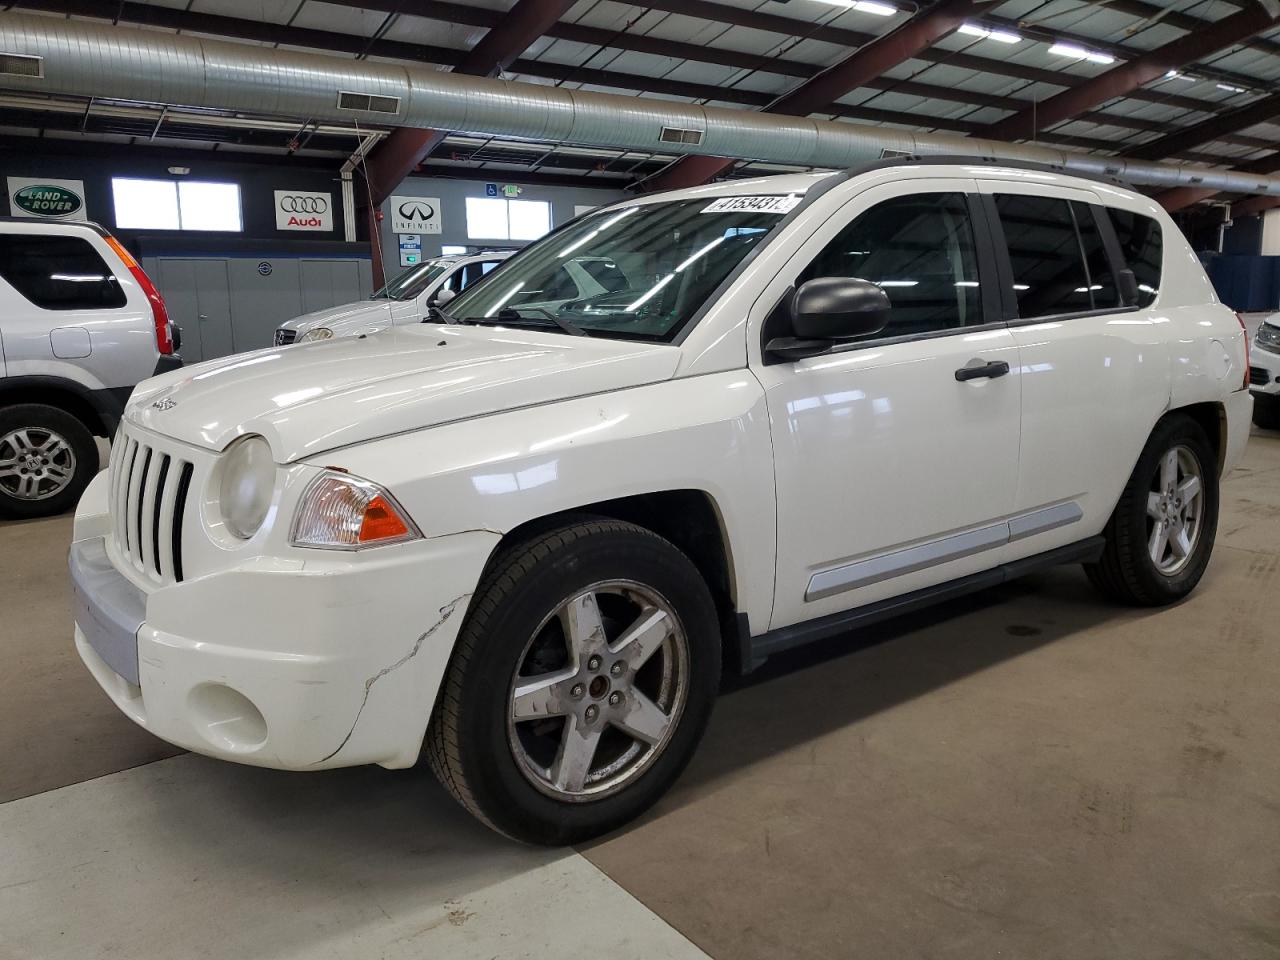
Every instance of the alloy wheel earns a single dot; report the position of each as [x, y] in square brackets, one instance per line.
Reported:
[598, 691]
[1175, 506]
[36, 463]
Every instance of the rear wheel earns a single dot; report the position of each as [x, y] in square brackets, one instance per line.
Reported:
[47, 458]
[580, 684]
[1161, 534]
[1266, 411]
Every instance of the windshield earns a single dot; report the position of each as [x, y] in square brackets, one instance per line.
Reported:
[412, 282]
[639, 273]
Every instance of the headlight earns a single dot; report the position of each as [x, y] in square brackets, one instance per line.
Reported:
[316, 333]
[341, 512]
[248, 478]
[1268, 336]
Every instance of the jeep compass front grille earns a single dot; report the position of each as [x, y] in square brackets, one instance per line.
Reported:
[148, 490]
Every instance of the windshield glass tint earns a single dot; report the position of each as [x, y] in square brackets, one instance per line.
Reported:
[412, 282]
[638, 273]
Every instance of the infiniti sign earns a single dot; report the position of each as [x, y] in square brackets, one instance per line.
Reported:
[296, 210]
[415, 215]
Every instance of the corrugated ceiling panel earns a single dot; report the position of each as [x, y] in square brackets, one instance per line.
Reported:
[411, 29]
[329, 16]
[268, 11]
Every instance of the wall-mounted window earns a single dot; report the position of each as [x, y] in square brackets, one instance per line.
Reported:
[490, 219]
[176, 205]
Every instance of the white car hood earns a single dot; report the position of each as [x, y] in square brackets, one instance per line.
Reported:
[315, 397]
[378, 313]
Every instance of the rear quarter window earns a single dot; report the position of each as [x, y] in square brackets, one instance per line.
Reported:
[59, 272]
[1142, 246]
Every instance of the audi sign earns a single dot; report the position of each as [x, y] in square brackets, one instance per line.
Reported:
[298, 210]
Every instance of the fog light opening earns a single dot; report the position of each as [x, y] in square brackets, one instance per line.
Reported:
[227, 718]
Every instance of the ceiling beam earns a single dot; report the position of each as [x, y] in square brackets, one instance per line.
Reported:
[856, 70]
[397, 156]
[1215, 128]
[1182, 197]
[1128, 76]
[1254, 206]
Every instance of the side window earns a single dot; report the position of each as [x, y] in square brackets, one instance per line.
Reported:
[1143, 251]
[474, 271]
[1058, 267]
[920, 250]
[453, 282]
[58, 273]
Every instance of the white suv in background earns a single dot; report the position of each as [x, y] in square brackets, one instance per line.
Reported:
[1264, 373]
[406, 299]
[80, 324]
[523, 539]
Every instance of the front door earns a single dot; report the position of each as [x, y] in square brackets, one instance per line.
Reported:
[893, 473]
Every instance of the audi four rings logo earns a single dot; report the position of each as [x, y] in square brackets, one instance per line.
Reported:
[417, 210]
[292, 204]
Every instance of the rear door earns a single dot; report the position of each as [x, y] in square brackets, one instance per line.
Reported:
[1095, 371]
[892, 473]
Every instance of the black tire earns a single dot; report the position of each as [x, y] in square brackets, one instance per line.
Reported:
[42, 420]
[1266, 411]
[1126, 572]
[467, 742]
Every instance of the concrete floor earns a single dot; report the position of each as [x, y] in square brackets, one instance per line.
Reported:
[1027, 772]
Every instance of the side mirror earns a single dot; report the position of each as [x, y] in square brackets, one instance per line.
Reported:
[443, 297]
[838, 308]
[824, 312]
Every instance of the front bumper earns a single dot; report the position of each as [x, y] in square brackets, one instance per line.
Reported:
[294, 664]
[1264, 372]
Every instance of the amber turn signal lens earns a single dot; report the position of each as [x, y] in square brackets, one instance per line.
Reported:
[381, 522]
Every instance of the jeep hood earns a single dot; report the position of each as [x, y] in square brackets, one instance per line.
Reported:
[315, 397]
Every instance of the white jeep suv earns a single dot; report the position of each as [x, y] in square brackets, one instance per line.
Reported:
[523, 541]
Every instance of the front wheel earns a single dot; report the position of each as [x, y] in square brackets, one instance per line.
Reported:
[1160, 537]
[580, 684]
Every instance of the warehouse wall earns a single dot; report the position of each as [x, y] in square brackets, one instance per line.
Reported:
[452, 195]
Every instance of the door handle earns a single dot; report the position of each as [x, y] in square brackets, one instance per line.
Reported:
[977, 369]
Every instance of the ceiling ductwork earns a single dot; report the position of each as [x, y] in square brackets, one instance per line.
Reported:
[87, 59]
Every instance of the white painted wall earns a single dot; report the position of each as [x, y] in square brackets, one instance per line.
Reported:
[1271, 233]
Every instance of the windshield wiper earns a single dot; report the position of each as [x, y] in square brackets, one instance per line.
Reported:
[510, 314]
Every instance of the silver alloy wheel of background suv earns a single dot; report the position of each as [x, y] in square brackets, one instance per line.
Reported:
[36, 463]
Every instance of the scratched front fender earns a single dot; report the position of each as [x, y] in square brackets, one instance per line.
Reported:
[332, 662]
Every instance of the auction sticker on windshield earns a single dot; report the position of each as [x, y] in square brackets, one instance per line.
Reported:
[753, 204]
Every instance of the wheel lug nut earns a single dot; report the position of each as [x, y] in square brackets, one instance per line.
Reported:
[592, 711]
[593, 663]
[615, 698]
[616, 669]
[577, 691]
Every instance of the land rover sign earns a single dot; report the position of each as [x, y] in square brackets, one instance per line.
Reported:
[46, 199]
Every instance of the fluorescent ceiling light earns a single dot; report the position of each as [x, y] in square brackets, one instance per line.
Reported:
[1230, 89]
[866, 6]
[1000, 36]
[1080, 53]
